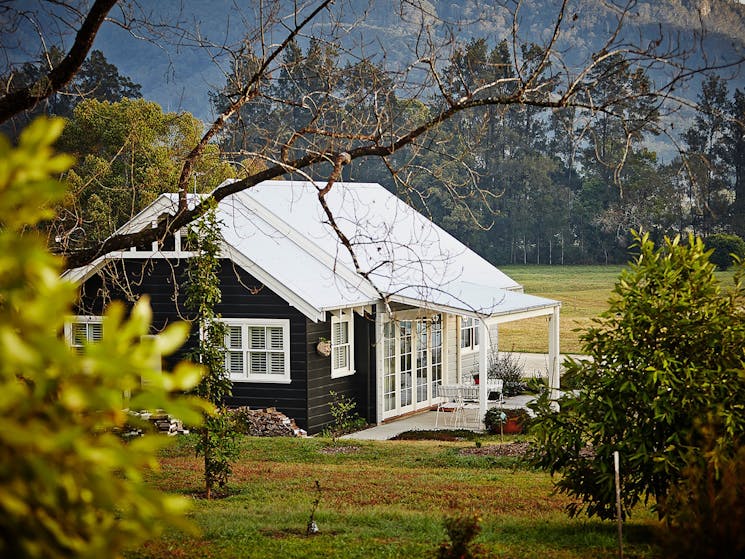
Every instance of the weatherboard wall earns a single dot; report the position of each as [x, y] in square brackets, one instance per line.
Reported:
[359, 386]
[306, 398]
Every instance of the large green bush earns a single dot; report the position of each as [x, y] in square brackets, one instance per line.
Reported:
[69, 485]
[667, 353]
[706, 507]
[725, 247]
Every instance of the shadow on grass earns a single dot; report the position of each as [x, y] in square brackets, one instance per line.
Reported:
[575, 534]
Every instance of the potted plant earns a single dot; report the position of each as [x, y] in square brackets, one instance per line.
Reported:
[510, 421]
[324, 347]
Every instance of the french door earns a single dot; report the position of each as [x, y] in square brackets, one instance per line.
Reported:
[412, 364]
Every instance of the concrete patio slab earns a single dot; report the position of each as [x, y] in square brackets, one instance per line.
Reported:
[424, 421]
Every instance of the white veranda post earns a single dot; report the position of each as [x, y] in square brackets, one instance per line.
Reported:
[483, 369]
[554, 380]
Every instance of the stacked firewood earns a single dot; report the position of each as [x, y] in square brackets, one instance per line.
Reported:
[162, 422]
[265, 423]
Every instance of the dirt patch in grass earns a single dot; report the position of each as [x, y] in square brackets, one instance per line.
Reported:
[458, 435]
[345, 449]
[509, 449]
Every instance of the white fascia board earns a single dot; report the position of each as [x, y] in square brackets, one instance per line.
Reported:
[498, 318]
[522, 314]
[292, 298]
[145, 217]
[435, 307]
[81, 274]
[336, 265]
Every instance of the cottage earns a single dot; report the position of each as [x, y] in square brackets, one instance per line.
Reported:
[302, 322]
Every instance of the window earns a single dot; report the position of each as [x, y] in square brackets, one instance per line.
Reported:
[80, 330]
[342, 348]
[258, 350]
[469, 334]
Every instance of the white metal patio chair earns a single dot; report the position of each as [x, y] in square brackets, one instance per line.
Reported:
[470, 402]
[451, 400]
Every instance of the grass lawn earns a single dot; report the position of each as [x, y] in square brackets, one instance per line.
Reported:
[583, 292]
[382, 499]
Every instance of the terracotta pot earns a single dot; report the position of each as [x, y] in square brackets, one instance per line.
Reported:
[512, 426]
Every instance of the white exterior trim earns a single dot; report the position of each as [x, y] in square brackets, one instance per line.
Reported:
[343, 317]
[265, 322]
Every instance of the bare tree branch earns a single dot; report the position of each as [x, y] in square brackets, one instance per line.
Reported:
[17, 101]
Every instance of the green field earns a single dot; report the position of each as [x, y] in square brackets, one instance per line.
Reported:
[379, 499]
[583, 292]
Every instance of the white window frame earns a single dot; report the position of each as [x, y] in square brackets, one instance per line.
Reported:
[86, 320]
[339, 319]
[469, 329]
[246, 375]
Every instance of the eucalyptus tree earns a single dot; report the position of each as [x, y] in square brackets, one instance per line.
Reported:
[706, 156]
[128, 152]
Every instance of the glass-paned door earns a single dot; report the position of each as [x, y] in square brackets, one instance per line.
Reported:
[422, 351]
[412, 364]
[405, 373]
[436, 353]
[389, 366]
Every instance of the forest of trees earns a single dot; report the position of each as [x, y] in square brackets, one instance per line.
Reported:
[512, 153]
[519, 184]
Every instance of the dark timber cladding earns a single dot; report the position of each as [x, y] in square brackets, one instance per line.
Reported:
[360, 386]
[242, 297]
[307, 397]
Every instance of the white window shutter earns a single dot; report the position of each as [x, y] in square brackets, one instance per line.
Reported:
[95, 332]
[258, 364]
[234, 337]
[276, 363]
[257, 337]
[276, 338]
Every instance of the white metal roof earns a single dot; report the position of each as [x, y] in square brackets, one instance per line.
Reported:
[279, 233]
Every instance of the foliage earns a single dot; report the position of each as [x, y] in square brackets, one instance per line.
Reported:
[495, 417]
[97, 79]
[507, 367]
[461, 531]
[726, 249]
[705, 509]
[537, 384]
[217, 441]
[69, 486]
[345, 419]
[129, 152]
[666, 353]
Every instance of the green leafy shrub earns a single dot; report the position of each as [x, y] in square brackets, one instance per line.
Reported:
[507, 367]
[725, 246]
[345, 419]
[461, 531]
[705, 509]
[536, 384]
[571, 378]
[666, 353]
[69, 485]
